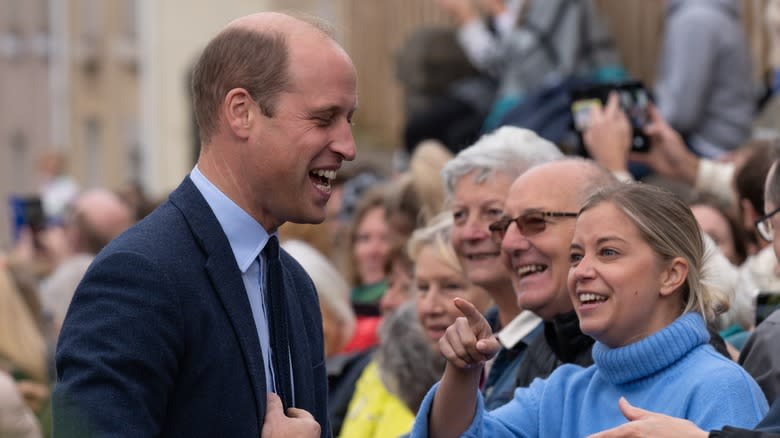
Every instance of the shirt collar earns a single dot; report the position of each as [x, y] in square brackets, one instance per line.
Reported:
[245, 235]
[518, 328]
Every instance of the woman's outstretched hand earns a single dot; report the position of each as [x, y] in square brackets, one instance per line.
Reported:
[469, 341]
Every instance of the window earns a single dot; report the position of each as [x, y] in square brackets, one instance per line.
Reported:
[93, 133]
[19, 163]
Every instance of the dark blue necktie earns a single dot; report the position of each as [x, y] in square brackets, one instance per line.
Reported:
[277, 321]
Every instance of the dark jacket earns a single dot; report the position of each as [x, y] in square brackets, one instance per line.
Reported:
[563, 342]
[160, 341]
[500, 383]
[761, 356]
[769, 427]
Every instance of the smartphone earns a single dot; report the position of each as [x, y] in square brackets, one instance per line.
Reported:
[766, 303]
[634, 100]
[26, 211]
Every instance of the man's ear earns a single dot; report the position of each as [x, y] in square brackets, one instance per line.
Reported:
[749, 214]
[238, 109]
[674, 276]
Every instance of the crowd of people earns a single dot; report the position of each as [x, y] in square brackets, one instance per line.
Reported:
[501, 284]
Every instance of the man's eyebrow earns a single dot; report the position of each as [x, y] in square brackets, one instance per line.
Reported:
[330, 111]
[324, 111]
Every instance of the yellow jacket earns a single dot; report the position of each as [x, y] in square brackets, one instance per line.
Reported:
[373, 412]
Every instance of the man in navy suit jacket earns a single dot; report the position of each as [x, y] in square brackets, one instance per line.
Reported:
[167, 334]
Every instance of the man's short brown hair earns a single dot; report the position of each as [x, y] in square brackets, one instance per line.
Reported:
[239, 58]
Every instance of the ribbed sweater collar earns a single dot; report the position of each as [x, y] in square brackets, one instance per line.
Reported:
[652, 354]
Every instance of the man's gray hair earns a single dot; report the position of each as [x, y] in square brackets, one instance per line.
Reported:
[509, 150]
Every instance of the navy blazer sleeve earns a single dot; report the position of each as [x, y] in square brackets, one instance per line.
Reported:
[118, 353]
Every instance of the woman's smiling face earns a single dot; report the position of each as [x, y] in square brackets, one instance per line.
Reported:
[437, 283]
[619, 285]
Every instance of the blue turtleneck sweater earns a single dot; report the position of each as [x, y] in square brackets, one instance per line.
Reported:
[674, 372]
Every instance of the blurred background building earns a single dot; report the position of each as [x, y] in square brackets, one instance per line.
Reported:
[106, 81]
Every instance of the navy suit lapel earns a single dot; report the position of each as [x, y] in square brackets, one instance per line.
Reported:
[299, 345]
[226, 279]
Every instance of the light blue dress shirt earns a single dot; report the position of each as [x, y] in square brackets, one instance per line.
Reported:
[247, 239]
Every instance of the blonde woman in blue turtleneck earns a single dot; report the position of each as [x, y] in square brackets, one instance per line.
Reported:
[636, 284]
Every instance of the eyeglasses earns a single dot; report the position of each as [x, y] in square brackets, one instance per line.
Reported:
[764, 226]
[529, 223]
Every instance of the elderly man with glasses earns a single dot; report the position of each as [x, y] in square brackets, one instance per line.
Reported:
[760, 357]
[535, 235]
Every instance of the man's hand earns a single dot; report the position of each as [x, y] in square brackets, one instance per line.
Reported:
[608, 135]
[297, 422]
[24, 250]
[54, 244]
[668, 154]
[644, 423]
[469, 341]
[49, 246]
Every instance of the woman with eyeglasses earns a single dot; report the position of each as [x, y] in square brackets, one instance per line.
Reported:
[635, 280]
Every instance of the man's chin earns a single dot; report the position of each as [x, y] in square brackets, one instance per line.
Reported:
[533, 300]
[481, 273]
[486, 279]
[313, 215]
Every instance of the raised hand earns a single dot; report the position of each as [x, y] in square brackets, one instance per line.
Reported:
[469, 341]
[297, 422]
[644, 423]
[668, 154]
[608, 135]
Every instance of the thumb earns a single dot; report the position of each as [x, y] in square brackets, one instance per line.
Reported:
[299, 413]
[654, 114]
[273, 404]
[630, 412]
[613, 102]
[488, 346]
[656, 122]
